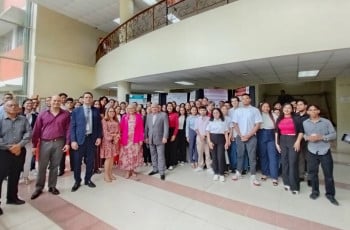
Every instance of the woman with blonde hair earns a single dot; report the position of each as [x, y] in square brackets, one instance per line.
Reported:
[132, 135]
[110, 142]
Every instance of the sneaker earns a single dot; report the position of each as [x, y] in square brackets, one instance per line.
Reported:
[182, 163]
[295, 192]
[171, 168]
[222, 178]
[216, 177]
[254, 180]
[210, 171]
[198, 169]
[286, 188]
[236, 176]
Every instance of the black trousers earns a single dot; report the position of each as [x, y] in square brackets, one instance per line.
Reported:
[170, 150]
[326, 162]
[11, 167]
[290, 162]
[181, 145]
[146, 153]
[218, 153]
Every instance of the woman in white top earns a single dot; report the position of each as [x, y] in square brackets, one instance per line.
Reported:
[217, 136]
[181, 137]
[268, 155]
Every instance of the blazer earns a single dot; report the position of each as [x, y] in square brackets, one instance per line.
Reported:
[157, 131]
[138, 131]
[78, 125]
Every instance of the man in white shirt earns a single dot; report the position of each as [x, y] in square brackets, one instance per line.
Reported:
[246, 120]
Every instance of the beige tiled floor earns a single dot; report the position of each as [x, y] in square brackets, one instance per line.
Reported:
[186, 200]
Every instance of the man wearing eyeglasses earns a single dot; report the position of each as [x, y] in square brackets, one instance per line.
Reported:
[7, 97]
[15, 133]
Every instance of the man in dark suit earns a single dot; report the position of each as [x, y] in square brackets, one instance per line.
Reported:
[86, 134]
[156, 135]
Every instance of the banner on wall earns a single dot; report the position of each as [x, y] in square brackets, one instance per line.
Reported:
[155, 98]
[240, 91]
[216, 95]
[193, 95]
[138, 98]
[177, 97]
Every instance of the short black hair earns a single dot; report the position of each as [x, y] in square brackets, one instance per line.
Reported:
[69, 99]
[63, 94]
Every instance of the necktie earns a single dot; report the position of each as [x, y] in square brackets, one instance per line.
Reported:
[87, 119]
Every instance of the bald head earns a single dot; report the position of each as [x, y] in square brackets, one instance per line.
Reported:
[55, 102]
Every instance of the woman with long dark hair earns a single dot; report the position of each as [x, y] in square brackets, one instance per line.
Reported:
[181, 137]
[217, 137]
[288, 135]
[170, 146]
[267, 151]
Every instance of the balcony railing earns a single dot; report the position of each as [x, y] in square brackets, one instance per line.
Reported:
[161, 14]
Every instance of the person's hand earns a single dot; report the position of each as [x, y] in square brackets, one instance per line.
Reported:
[74, 145]
[172, 139]
[164, 140]
[211, 145]
[65, 148]
[188, 140]
[15, 149]
[296, 146]
[278, 147]
[98, 141]
[245, 138]
[34, 151]
[227, 145]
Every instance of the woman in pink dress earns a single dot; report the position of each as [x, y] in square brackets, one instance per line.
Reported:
[110, 142]
[132, 135]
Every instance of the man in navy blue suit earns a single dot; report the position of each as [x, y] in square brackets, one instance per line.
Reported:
[86, 134]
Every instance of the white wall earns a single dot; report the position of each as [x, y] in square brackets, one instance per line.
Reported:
[243, 30]
[64, 55]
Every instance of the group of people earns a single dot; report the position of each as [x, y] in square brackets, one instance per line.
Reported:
[234, 134]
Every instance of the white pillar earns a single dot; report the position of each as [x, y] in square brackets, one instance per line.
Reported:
[126, 10]
[123, 90]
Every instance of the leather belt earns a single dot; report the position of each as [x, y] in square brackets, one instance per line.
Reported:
[53, 140]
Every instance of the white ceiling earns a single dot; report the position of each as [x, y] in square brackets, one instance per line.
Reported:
[100, 14]
[96, 13]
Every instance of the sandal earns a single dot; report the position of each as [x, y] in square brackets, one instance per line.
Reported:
[263, 178]
[275, 183]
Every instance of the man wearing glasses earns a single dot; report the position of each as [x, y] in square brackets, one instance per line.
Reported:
[7, 97]
[15, 133]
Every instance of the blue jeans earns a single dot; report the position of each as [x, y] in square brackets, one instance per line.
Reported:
[233, 157]
[268, 154]
[193, 146]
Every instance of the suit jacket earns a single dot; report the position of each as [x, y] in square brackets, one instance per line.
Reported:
[78, 125]
[157, 131]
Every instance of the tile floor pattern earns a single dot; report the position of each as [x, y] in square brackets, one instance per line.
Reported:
[186, 200]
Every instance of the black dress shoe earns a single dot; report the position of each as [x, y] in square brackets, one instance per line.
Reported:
[36, 194]
[90, 184]
[162, 177]
[60, 173]
[75, 187]
[1, 212]
[54, 191]
[97, 171]
[153, 173]
[309, 183]
[314, 196]
[16, 202]
[332, 200]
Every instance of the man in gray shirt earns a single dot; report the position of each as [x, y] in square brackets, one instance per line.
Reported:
[15, 133]
[318, 132]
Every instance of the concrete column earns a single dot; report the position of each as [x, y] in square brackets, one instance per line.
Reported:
[126, 10]
[123, 90]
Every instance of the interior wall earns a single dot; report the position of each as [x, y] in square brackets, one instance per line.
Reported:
[343, 111]
[64, 55]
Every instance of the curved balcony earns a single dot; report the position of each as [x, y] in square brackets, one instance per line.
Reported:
[163, 13]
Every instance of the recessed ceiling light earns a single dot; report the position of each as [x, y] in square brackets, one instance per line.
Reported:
[308, 73]
[117, 20]
[184, 83]
[159, 91]
[171, 17]
[113, 87]
[150, 2]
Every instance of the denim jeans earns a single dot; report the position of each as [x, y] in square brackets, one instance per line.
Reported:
[268, 154]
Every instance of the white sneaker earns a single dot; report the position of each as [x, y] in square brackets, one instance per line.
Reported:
[210, 171]
[236, 176]
[198, 169]
[254, 180]
[222, 178]
[286, 187]
[182, 163]
[216, 177]
[171, 168]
